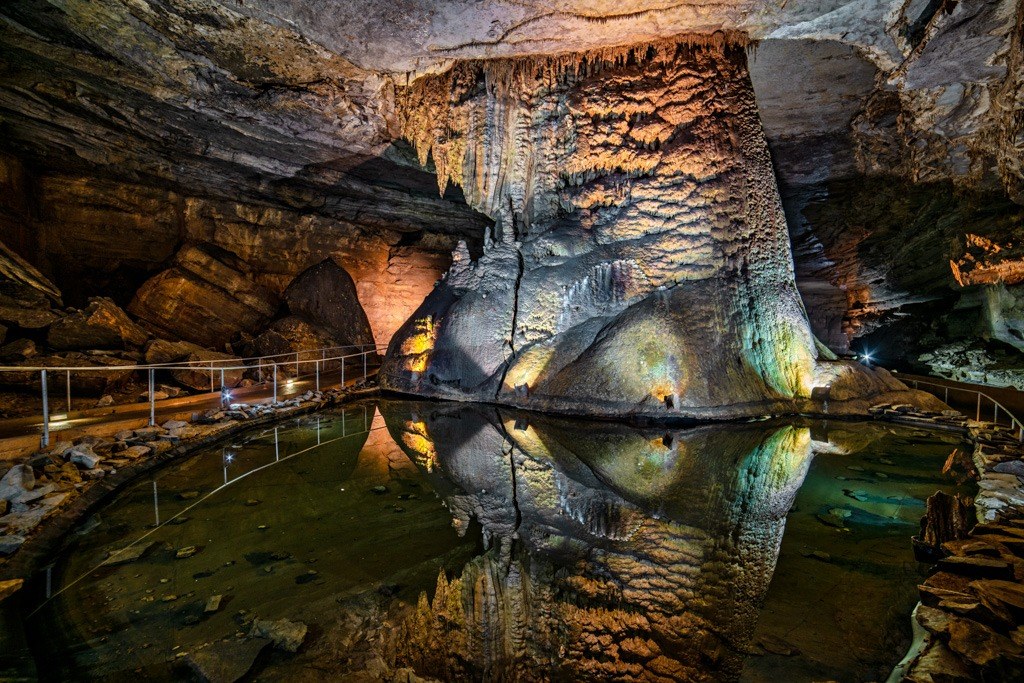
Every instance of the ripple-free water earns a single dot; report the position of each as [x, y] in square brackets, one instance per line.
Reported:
[575, 551]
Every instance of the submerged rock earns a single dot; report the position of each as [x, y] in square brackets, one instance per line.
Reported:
[226, 661]
[286, 635]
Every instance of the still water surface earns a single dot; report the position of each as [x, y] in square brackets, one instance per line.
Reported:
[466, 542]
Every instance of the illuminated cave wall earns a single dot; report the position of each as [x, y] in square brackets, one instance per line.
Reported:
[96, 236]
[639, 261]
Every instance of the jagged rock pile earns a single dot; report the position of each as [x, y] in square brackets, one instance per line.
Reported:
[201, 298]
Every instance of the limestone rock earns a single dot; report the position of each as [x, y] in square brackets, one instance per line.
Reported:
[102, 325]
[226, 661]
[286, 635]
[84, 457]
[83, 382]
[206, 297]
[200, 377]
[18, 480]
[591, 297]
[18, 350]
[326, 296]
[293, 334]
[10, 543]
[161, 351]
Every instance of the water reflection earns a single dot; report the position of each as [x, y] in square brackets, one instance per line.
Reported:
[469, 542]
[613, 552]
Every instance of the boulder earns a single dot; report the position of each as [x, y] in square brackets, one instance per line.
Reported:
[288, 336]
[326, 296]
[207, 297]
[17, 350]
[286, 635]
[203, 360]
[19, 480]
[101, 325]
[25, 317]
[160, 351]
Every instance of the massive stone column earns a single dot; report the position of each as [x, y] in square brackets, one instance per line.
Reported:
[639, 262]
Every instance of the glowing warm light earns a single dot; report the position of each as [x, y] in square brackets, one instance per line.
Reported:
[419, 345]
[416, 440]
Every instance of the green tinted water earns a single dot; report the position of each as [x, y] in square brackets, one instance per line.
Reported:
[790, 543]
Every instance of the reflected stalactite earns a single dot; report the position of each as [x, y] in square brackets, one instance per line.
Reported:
[612, 552]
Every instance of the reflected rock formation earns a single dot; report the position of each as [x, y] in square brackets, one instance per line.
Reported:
[640, 260]
[611, 552]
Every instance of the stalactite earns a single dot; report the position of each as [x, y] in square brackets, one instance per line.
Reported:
[648, 160]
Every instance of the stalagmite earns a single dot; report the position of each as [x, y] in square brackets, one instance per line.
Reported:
[640, 261]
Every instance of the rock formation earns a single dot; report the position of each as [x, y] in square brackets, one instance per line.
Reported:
[640, 258]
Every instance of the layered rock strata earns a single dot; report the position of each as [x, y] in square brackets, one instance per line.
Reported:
[640, 260]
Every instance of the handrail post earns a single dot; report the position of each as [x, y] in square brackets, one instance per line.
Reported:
[343, 372]
[46, 411]
[317, 370]
[995, 414]
[947, 395]
[365, 353]
[152, 400]
[275, 382]
[222, 395]
[296, 365]
[69, 393]
[211, 377]
[978, 413]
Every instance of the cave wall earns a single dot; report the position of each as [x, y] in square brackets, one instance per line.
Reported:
[640, 259]
[94, 236]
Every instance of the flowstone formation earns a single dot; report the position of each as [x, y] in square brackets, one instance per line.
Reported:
[639, 261]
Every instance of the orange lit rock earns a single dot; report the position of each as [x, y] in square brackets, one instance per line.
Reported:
[205, 298]
[981, 261]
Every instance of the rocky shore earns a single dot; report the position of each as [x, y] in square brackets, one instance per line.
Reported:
[969, 624]
[43, 497]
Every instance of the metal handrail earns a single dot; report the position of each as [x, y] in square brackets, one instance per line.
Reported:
[224, 390]
[1014, 422]
[192, 365]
